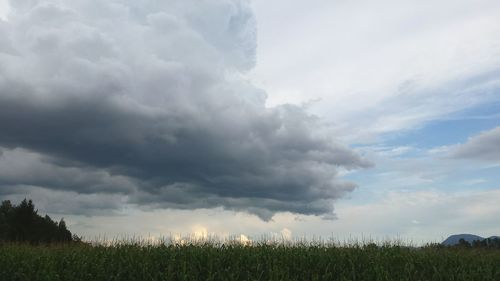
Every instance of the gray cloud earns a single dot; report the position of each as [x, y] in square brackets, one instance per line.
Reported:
[147, 101]
[21, 167]
[484, 147]
[67, 202]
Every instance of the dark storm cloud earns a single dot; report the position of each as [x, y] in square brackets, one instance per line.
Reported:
[21, 167]
[148, 102]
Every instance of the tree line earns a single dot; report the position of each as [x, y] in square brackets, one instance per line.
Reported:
[491, 243]
[22, 223]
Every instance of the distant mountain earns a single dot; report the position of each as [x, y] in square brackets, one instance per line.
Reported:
[453, 240]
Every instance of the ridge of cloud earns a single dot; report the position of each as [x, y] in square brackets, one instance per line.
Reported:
[146, 101]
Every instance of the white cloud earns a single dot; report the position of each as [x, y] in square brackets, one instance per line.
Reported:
[286, 234]
[379, 66]
[4, 9]
[245, 240]
[199, 232]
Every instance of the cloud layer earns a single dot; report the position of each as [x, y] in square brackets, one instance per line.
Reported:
[147, 101]
[380, 67]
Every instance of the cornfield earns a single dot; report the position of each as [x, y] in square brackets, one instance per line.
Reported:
[233, 261]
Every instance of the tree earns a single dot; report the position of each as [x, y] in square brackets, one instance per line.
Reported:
[5, 213]
[22, 223]
[63, 233]
[463, 243]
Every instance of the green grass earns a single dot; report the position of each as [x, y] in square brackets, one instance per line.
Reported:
[231, 261]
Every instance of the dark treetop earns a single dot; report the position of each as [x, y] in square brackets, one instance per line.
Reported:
[22, 223]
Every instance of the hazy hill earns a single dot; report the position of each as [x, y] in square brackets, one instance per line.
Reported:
[453, 239]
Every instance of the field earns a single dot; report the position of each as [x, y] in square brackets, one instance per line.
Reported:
[233, 261]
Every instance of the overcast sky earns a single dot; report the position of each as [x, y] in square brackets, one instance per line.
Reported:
[344, 118]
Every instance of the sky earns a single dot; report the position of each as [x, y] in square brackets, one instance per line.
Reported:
[339, 119]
